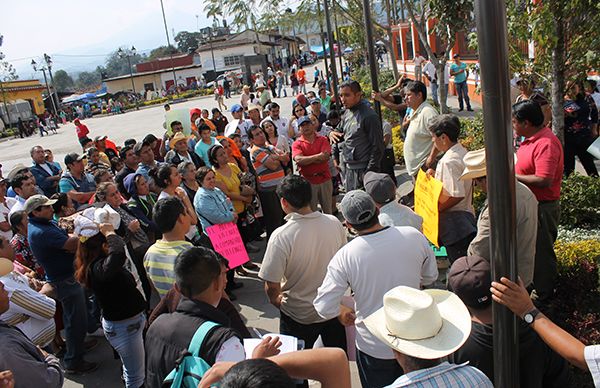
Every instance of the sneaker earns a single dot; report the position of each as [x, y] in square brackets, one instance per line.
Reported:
[252, 248]
[90, 344]
[81, 368]
[470, 109]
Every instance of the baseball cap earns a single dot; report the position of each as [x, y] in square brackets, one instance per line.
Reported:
[470, 278]
[35, 201]
[236, 108]
[315, 101]
[73, 157]
[129, 142]
[456, 56]
[255, 106]
[380, 187]
[357, 207]
[303, 120]
[99, 138]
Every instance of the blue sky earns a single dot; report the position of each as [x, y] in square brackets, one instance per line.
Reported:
[79, 34]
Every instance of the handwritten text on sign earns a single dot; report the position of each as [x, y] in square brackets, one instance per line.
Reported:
[427, 195]
[227, 241]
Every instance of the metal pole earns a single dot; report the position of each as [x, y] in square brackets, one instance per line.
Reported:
[137, 105]
[168, 42]
[331, 51]
[490, 16]
[371, 51]
[322, 38]
[9, 124]
[49, 93]
[212, 53]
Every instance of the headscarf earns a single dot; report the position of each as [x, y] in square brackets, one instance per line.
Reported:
[235, 151]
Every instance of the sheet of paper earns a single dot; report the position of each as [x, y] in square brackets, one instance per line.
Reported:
[288, 343]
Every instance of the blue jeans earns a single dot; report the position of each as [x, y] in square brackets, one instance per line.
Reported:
[434, 92]
[375, 372]
[280, 87]
[70, 294]
[463, 93]
[126, 337]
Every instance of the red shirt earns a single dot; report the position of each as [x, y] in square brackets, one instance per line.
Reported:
[301, 75]
[82, 130]
[542, 155]
[315, 173]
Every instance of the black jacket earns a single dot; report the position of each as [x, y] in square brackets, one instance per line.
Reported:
[170, 334]
[114, 285]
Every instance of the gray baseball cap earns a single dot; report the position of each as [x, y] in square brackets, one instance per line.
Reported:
[380, 187]
[36, 201]
[357, 207]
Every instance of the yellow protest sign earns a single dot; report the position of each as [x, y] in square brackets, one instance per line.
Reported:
[427, 195]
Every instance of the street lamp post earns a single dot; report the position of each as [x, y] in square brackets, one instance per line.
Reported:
[289, 11]
[48, 61]
[128, 54]
[169, 45]
[209, 36]
[334, 77]
[371, 51]
[43, 70]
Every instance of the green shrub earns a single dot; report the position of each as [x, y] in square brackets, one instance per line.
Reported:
[398, 144]
[580, 201]
[471, 133]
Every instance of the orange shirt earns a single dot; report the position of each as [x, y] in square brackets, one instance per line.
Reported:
[301, 75]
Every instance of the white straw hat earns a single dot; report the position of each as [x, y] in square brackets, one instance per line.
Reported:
[424, 324]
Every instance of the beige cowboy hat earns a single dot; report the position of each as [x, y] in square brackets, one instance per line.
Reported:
[255, 106]
[424, 324]
[475, 166]
[6, 266]
[177, 138]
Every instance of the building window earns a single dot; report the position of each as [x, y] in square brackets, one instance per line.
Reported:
[232, 60]
[149, 86]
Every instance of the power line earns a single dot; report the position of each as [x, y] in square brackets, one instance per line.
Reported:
[72, 55]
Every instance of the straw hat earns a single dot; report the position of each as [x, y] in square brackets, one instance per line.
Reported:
[424, 324]
[474, 165]
[6, 266]
[177, 138]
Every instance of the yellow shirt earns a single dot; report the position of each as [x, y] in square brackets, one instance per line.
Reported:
[233, 185]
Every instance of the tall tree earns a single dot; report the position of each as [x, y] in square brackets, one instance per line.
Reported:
[7, 71]
[163, 51]
[116, 66]
[63, 81]
[88, 79]
[451, 17]
[187, 41]
[566, 45]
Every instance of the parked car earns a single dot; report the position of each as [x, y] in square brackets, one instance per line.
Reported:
[231, 76]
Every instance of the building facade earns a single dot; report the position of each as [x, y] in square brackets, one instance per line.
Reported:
[28, 90]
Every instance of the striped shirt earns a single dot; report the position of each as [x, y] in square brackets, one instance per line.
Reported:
[160, 261]
[29, 311]
[267, 179]
[444, 375]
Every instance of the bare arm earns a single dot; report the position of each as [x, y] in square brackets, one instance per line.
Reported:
[515, 297]
[232, 195]
[446, 202]
[71, 244]
[80, 197]
[274, 294]
[302, 160]
[534, 180]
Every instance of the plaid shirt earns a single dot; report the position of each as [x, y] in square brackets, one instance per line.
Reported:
[444, 375]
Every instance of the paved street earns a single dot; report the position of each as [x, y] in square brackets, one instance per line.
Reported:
[251, 302]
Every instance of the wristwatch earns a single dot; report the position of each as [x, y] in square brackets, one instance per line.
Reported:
[529, 317]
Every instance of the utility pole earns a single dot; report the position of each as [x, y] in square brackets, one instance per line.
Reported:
[128, 54]
[48, 61]
[490, 16]
[334, 77]
[169, 45]
[337, 32]
[43, 70]
[371, 51]
[320, 16]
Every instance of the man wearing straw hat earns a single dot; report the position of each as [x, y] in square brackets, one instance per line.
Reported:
[421, 328]
[526, 211]
[180, 152]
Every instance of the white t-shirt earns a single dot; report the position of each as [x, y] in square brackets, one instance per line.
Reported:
[4, 215]
[281, 124]
[419, 60]
[395, 214]
[46, 168]
[193, 229]
[371, 265]
[387, 130]
[449, 169]
[592, 359]
[297, 256]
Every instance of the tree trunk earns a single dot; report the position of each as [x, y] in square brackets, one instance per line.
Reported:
[390, 39]
[558, 77]
[442, 88]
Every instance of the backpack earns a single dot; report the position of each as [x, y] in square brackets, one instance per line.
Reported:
[190, 367]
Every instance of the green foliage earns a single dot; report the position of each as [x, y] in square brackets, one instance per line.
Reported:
[116, 66]
[164, 51]
[472, 132]
[7, 71]
[580, 201]
[398, 144]
[63, 81]
[88, 79]
[187, 41]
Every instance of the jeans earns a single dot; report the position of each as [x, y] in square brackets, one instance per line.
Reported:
[434, 92]
[280, 87]
[303, 87]
[462, 90]
[126, 338]
[70, 294]
[375, 372]
[272, 212]
[576, 146]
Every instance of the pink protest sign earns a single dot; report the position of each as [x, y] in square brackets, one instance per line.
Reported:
[227, 241]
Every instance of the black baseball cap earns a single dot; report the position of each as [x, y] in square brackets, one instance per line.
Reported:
[470, 278]
[73, 157]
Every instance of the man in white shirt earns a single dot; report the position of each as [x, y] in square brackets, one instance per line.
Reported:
[418, 61]
[281, 123]
[295, 264]
[431, 74]
[391, 213]
[238, 124]
[379, 259]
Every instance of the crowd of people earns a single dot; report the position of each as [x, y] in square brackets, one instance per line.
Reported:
[115, 243]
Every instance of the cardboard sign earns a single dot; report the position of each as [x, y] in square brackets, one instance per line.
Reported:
[227, 241]
[181, 115]
[427, 195]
